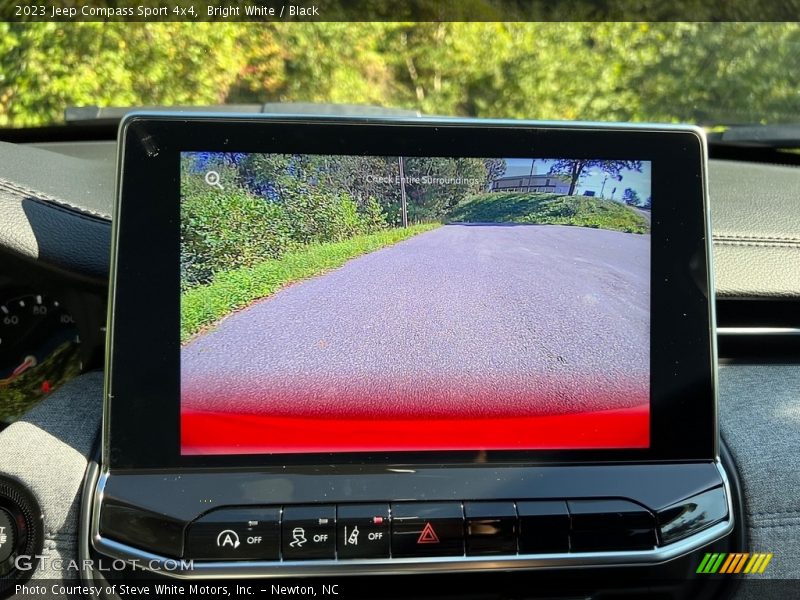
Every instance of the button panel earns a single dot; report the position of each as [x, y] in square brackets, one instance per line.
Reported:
[423, 529]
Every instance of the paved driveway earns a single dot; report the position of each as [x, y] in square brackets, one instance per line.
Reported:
[465, 320]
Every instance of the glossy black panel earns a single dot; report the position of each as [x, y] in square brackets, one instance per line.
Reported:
[692, 515]
[151, 531]
[185, 496]
[543, 526]
[598, 525]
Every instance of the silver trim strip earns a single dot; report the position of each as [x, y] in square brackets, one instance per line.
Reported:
[712, 291]
[88, 576]
[781, 331]
[271, 569]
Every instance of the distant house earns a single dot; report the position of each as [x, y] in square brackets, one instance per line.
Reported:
[554, 184]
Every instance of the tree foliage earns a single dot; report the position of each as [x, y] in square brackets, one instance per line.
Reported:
[45, 67]
[698, 72]
[575, 169]
[265, 206]
[268, 204]
[631, 197]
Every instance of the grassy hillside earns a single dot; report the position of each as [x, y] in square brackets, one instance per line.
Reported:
[549, 209]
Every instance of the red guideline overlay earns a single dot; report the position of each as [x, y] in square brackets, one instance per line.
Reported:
[204, 432]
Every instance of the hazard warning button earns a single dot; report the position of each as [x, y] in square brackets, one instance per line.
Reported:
[427, 529]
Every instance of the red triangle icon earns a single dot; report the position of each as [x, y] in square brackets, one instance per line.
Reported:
[428, 535]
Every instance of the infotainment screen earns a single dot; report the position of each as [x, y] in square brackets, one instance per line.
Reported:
[373, 303]
[306, 291]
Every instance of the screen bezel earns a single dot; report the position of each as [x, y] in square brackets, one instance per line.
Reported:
[142, 408]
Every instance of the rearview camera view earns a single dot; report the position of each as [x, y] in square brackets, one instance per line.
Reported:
[385, 303]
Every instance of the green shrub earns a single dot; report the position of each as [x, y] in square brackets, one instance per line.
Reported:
[373, 216]
[232, 228]
[229, 229]
[319, 216]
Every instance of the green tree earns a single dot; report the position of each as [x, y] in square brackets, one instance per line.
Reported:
[312, 62]
[631, 197]
[45, 67]
[575, 169]
[435, 185]
[495, 168]
[364, 178]
[698, 72]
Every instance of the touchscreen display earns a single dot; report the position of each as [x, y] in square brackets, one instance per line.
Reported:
[385, 303]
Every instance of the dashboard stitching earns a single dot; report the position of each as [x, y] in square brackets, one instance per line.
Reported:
[62, 204]
[44, 200]
[764, 244]
[790, 238]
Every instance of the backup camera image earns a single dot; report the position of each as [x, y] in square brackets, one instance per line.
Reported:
[385, 303]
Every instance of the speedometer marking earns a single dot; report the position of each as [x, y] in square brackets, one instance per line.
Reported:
[39, 350]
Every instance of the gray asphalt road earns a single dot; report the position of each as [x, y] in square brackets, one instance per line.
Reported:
[463, 320]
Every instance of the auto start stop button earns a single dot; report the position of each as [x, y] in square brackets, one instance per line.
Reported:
[235, 533]
[8, 535]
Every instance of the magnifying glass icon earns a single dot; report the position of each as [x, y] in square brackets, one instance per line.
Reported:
[212, 179]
